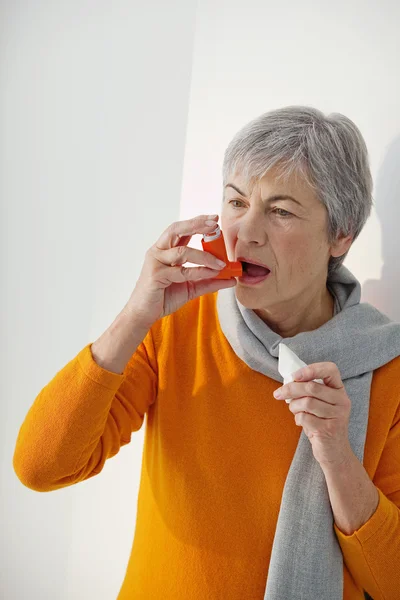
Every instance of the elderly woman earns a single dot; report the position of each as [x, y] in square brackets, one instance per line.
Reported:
[242, 495]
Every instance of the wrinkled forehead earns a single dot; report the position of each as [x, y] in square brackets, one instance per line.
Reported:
[280, 176]
[273, 183]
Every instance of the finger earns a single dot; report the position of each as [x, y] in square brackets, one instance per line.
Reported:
[311, 423]
[180, 232]
[180, 274]
[327, 371]
[208, 286]
[310, 388]
[179, 255]
[313, 406]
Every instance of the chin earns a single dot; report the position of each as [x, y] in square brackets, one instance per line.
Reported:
[248, 297]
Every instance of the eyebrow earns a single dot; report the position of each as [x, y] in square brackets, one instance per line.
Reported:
[270, 199]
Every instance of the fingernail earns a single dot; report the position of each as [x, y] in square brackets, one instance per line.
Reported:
[209, 223]
[221, 263]
[212, 216]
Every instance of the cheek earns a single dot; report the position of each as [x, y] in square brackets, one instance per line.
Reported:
[298, 253]
[303, 243]
[311, 246]
[305, 256]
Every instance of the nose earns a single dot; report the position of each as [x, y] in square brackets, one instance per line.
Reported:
[251, 228]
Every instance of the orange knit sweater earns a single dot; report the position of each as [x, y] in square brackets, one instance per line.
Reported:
[217, 451]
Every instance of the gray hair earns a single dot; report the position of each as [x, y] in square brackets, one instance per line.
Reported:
[328, 151]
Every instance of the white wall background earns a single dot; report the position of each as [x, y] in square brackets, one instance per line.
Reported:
[114, 118]
[93, 112]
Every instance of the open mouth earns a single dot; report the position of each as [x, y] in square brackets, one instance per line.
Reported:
[253, 274]
[252, 270]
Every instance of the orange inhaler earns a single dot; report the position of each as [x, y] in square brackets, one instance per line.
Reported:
[214, 244]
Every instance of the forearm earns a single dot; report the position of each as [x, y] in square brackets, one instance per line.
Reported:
[353, 496]
[113, 349]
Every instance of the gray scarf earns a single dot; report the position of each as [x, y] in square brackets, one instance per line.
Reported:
[306, 560]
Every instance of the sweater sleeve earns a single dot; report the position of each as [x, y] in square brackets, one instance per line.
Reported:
[372, 553]
[82, 417]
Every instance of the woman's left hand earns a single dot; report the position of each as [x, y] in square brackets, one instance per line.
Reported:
[323, 410]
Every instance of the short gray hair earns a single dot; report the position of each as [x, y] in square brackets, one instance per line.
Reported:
[328, 151]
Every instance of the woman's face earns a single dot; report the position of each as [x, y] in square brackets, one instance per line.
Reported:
[287, 235]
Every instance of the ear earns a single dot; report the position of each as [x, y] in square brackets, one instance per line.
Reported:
[341, 245]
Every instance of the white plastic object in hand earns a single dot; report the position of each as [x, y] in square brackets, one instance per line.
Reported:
[289, 363]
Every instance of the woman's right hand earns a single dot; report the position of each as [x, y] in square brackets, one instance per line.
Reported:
[164, 285]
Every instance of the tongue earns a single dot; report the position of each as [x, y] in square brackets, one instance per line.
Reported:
[256, 270]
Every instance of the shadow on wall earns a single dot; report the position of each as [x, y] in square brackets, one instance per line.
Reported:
[383, 292]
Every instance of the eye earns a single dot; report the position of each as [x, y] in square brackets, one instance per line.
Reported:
[230, 202]
[286, 215]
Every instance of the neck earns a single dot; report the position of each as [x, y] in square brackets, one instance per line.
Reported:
[309, 315]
